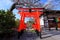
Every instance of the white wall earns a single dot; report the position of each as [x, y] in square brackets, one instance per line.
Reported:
[41, 21]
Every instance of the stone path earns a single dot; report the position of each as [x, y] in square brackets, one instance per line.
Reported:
[46, 35]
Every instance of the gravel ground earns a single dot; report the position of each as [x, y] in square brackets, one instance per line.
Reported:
[46, 35]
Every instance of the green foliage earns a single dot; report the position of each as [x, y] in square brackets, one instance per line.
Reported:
[17, 22]
[7, 21]
[29, 24]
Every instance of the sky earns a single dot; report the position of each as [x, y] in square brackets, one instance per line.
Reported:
[6, 4]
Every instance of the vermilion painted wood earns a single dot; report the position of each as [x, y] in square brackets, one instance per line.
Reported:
[35, 14]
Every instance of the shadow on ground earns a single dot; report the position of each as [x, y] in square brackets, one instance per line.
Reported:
[51, 33]
[32, 35]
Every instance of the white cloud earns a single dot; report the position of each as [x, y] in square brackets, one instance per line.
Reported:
[5, 4]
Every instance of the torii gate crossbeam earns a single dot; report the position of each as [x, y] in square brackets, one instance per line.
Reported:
[30, 12]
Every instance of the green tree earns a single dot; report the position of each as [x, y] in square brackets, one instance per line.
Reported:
[7, 21]
[17, 22]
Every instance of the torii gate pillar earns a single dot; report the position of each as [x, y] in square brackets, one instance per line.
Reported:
[27, 12]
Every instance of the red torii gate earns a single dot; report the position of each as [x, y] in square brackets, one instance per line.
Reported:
[30, 12]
